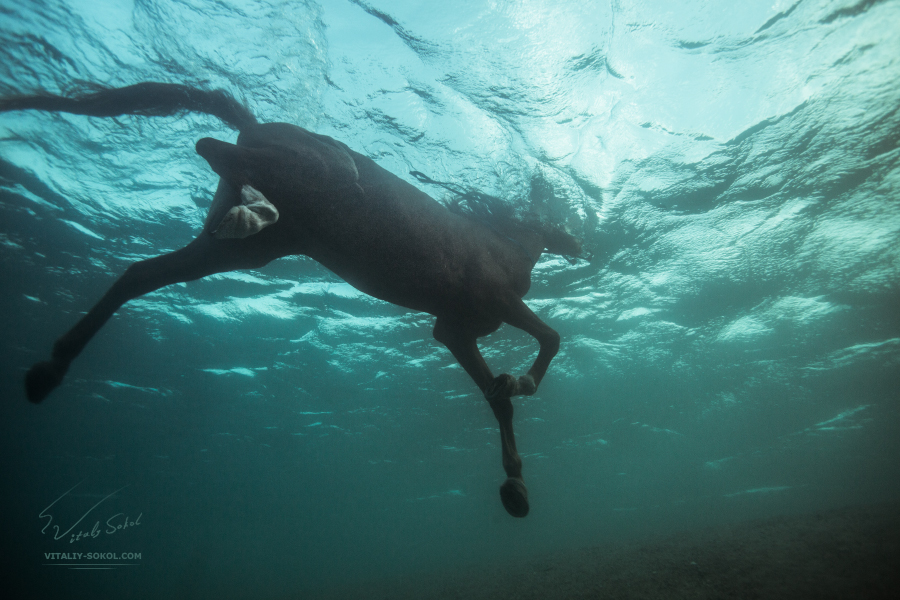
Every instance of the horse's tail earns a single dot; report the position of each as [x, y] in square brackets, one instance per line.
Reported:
[148, 99]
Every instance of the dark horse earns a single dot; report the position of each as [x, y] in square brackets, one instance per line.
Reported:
[284, 191]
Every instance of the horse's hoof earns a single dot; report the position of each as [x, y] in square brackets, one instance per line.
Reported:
[514, 496]
[503, 386]
[527, 386]
[42, 378]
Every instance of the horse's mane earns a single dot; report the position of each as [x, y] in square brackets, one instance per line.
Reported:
[501, 215]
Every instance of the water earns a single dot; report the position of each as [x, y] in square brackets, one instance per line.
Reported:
[732, 350]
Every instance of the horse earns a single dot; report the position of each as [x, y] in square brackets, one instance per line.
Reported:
[284, 191]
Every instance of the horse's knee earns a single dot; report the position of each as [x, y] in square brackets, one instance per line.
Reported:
[503, 387]
[550, 342]
[526, 385]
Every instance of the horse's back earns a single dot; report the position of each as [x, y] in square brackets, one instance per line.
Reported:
[381, 234]
[409, 249]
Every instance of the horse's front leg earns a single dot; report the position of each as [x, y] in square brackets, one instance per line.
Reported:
[464, 347]
[204, 256]
[519, 315]
[513, 492]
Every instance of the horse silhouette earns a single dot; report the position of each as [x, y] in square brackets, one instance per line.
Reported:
[283, 191]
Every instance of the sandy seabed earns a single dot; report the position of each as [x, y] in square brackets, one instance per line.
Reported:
[847, 553]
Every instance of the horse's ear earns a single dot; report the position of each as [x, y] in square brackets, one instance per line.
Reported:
[230, 162]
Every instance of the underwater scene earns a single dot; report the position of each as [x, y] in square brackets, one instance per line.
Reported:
[722, 418]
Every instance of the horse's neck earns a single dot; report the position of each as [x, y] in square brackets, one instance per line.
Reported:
[529, 241]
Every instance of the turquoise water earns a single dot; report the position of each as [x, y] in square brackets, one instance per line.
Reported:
[732, 350]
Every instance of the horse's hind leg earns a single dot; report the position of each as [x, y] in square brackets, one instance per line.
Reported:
[204, 256]
[463, 345]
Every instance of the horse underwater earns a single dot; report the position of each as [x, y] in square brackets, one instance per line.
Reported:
[284, 191]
